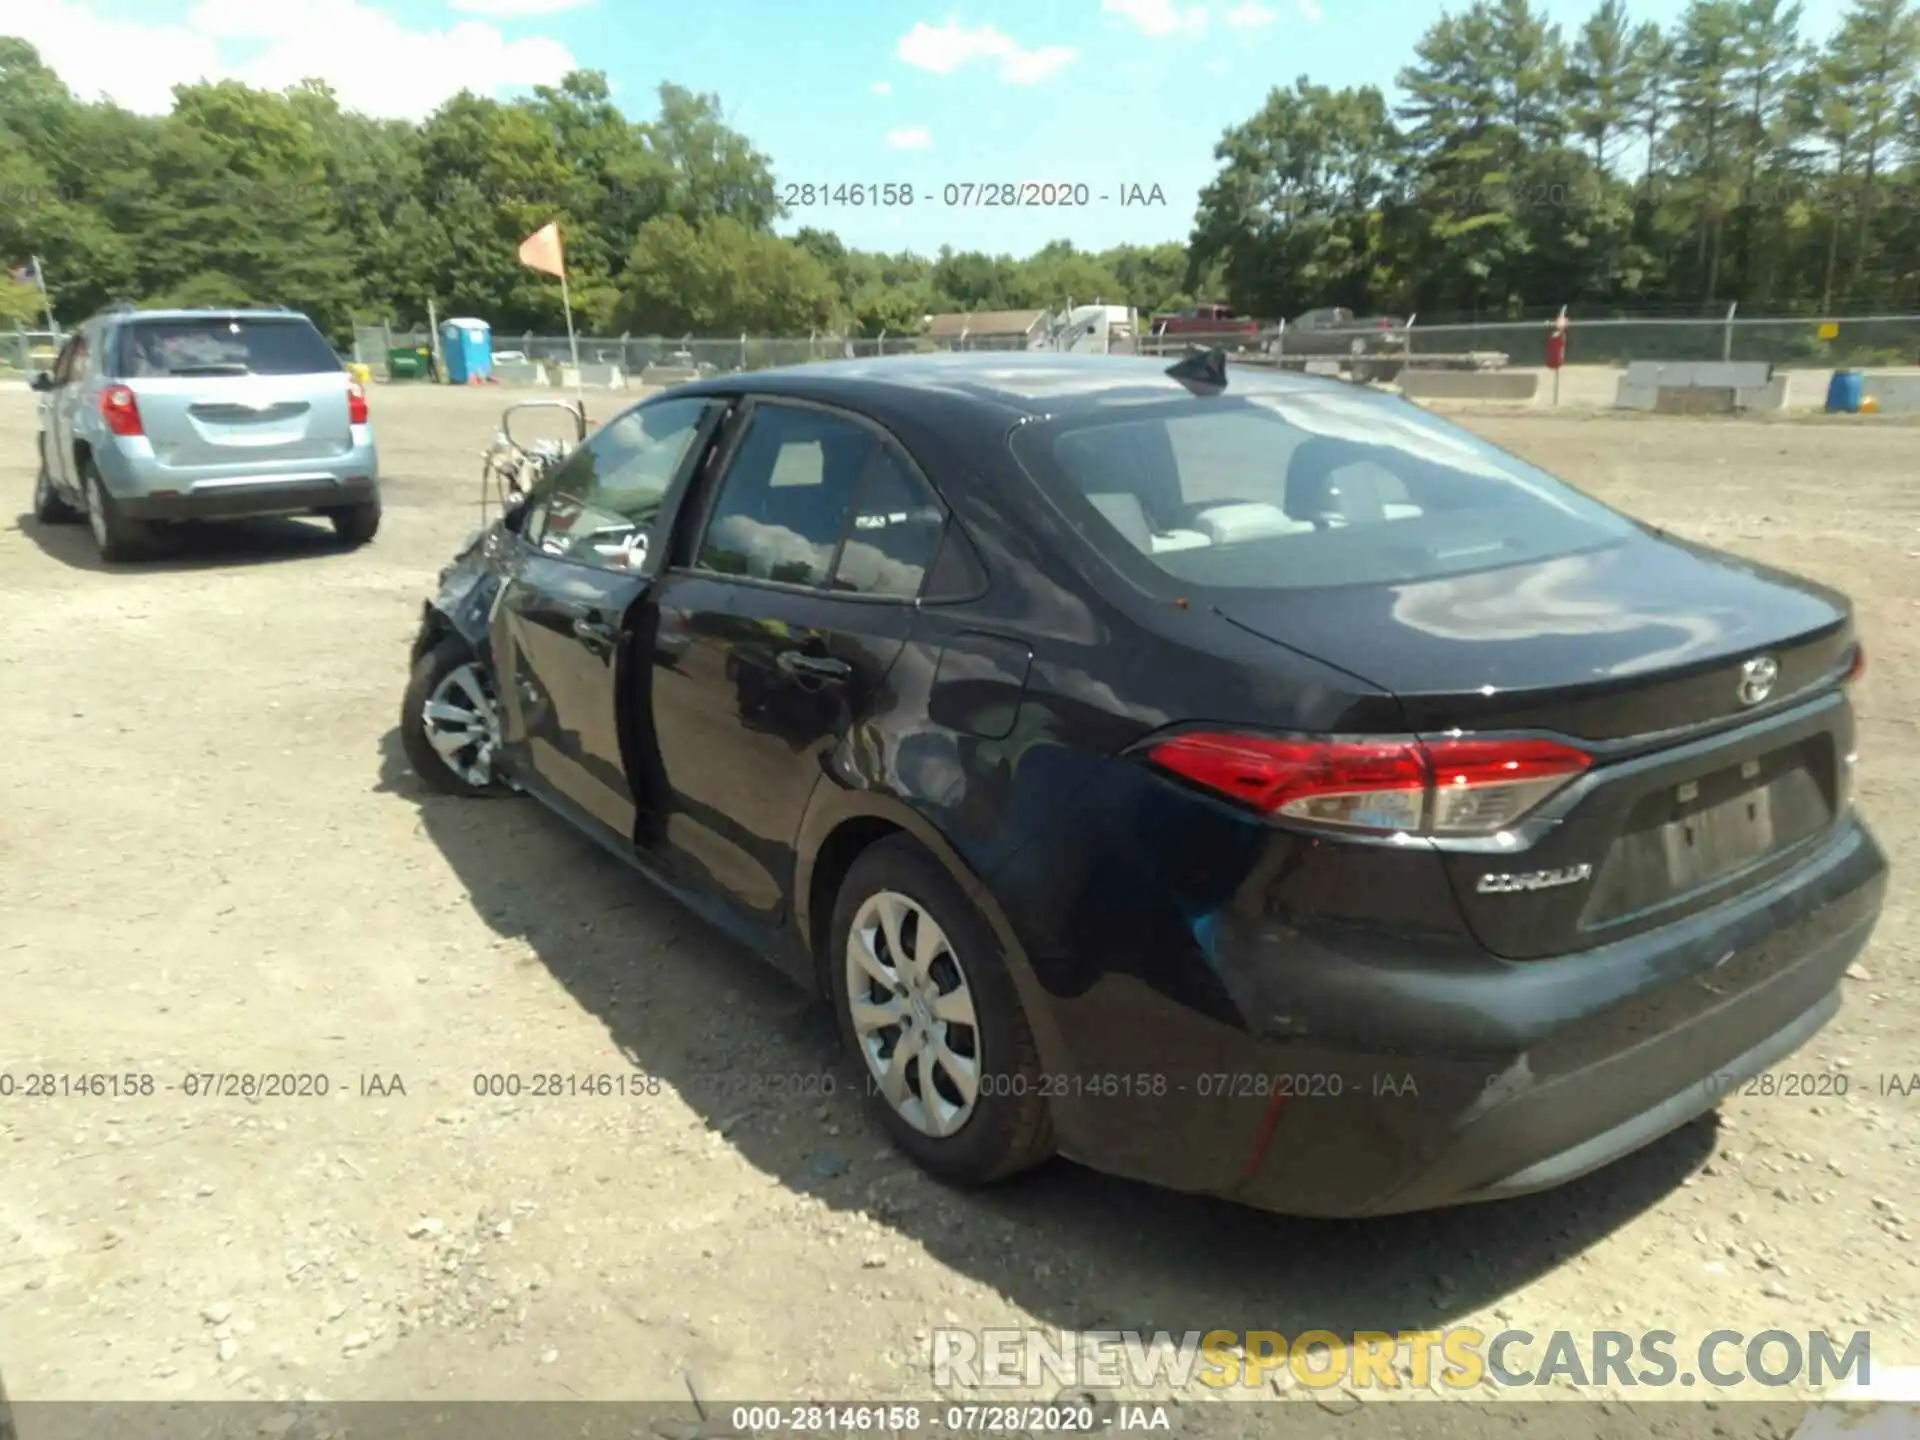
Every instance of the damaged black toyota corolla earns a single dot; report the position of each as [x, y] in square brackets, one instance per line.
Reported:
[1242, 782]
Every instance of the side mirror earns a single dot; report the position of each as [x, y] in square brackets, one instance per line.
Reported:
[41, 381]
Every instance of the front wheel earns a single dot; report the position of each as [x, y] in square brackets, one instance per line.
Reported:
[450, 721]
[927, 1005]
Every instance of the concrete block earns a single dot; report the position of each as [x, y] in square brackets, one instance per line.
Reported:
[1695, 400]
[516, 372]
[1894, 394]
[1508, 385]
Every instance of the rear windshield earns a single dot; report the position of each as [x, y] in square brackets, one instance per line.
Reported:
[1296, 489]
[220, 346]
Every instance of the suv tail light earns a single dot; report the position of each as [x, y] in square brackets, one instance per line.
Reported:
[356, 403]
[121, 411]
[1387, 786]
[1859, 666]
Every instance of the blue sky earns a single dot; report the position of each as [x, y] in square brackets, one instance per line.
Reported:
[1107, 93]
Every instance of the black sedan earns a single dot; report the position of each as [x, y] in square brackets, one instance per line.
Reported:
[1236, 781]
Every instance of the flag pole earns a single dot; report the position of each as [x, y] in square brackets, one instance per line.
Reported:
[46, 300]
[573, 345]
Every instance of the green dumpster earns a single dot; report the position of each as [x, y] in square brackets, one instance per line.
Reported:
[407, 364]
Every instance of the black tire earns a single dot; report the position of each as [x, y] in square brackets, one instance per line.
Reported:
[1010, 1128]
[356, 524]
[48, 507]
[449, 655]
[118, 537]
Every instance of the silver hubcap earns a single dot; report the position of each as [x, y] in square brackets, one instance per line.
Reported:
[462, 723]
[912, 1014]
[96, 510]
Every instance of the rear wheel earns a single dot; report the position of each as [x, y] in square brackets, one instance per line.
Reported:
[48, 507]
[927, 1005]
[356, 524]
[118, 537]
[450, 721]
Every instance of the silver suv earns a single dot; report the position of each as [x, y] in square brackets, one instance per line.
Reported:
[156, 416]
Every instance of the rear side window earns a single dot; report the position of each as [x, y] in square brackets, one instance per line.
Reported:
[223, 346]
[1288, 489]
[896, 531]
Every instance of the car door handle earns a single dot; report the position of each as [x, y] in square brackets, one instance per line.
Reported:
[595, 632]
[802, 666]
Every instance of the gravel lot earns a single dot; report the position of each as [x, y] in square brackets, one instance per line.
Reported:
[213, 859]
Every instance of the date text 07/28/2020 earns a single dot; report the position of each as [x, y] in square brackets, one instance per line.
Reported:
[969, 194]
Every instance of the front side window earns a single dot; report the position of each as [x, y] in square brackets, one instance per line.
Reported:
[785, 499]
[602, 503]
[1294, 488]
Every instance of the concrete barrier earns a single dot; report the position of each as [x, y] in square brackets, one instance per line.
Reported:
[598, 377]
[1726, 388]
[520, 372]
[667, 375]
[1510, 385]
[1893, 394]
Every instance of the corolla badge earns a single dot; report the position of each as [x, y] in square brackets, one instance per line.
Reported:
[1756, 679]
[1533, 880]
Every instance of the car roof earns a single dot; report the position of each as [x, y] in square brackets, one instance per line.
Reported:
[1016, 383]
[261, 312]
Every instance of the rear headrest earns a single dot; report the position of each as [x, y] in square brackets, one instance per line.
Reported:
[1124, 511]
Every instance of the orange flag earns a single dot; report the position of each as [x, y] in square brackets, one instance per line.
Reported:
[541, 250]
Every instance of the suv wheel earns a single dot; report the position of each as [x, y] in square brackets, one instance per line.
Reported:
[356, 524]
[925, 1002]
[48, 507]
[450, 721]
[118, 537]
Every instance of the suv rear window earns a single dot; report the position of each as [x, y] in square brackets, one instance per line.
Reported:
[1293, 488]
[240, 345]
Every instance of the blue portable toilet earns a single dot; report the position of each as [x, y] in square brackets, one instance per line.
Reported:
[468, 346]
[1844, 392]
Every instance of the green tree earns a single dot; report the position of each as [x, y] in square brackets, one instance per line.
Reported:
[722, 278]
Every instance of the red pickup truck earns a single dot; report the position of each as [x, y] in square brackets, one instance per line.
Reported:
[1210, 321]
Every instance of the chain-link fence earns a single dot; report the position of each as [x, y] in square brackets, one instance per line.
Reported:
[29, 350]
[1816, 344]
[1874, 341]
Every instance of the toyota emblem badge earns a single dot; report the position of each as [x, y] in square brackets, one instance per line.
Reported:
[1756, 679]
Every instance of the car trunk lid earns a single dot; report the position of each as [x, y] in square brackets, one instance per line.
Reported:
[233, 390]
[1707, 691]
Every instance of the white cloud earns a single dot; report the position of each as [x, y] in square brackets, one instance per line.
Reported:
[373, 62]
[1311, 9]
[511, 9]
[1159, 17]
[883, 87]
[1251, 15]
[945, 48]
[915, 138]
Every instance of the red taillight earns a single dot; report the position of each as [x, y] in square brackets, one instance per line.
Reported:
[1389, 786]
[356, 403]
[120, 410]
[1859, 666]
[1386, 324]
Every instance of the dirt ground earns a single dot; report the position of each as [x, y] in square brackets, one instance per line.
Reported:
[213, 859]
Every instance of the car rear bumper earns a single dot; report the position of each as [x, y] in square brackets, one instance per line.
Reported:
[1360, 1080]
[145, 488]
[255, 498]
